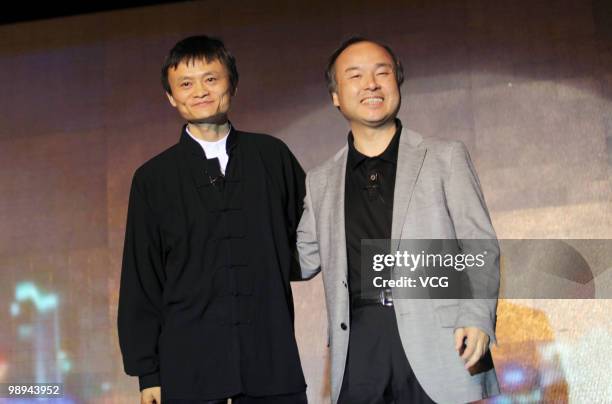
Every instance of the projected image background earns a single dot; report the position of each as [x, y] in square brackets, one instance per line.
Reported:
[526, 85]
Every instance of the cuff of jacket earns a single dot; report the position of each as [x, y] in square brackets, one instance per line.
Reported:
[484, 325]
[150, 380]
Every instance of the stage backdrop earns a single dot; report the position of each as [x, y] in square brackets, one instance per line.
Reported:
[527, 85]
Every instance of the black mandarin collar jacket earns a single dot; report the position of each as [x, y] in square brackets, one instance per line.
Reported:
[205, 304]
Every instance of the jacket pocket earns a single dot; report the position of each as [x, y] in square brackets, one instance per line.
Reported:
[447, 315]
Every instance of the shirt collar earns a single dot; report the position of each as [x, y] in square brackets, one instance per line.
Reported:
[193, 146]
[389, 155]
[207, 143]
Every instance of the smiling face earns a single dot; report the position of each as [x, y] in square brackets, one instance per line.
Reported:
[367, 92]
[201, 91]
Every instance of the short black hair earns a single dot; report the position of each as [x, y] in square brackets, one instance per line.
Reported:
[330, 72]
[196, 48]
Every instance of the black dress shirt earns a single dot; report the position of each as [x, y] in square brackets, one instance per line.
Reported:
[368, 205]
[205, 305]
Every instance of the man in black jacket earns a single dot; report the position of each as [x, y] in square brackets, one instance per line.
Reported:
[205, 305]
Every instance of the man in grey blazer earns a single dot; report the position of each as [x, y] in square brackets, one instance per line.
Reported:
[391, 183]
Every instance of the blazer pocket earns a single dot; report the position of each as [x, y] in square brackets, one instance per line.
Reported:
[419, 204]
[447, 315]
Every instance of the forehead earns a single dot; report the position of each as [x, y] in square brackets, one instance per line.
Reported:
[193, 66]
[363, 54]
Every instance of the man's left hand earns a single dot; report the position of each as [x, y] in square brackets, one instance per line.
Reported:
[476, 344]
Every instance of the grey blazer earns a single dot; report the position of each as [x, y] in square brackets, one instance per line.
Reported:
[437, 195]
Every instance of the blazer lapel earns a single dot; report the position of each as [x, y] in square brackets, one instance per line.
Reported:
[410, 158]
[335, 201]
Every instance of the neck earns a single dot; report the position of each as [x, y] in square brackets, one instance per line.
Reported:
[209, 132]
[373, 141]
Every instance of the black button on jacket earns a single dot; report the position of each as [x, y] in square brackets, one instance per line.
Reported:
[205, 305]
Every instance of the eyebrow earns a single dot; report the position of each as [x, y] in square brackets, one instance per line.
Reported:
[376, 66]
[211, 73]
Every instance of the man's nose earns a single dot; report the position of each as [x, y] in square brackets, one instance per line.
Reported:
[201, 89]
[371, 83]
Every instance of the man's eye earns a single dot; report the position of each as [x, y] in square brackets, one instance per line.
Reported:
[355, 76]
[211, 79]
[383, 73]
[185, 85]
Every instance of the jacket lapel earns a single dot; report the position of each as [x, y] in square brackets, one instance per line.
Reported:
[335, 201]
[410, 158]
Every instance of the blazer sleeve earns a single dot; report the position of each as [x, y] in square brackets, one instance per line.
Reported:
[294, 189]
[140, 295]
[475, 233]
[307, 242]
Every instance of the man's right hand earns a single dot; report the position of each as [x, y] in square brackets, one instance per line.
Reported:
[151, 395]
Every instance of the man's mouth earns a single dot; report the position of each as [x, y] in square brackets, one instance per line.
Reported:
[372, 100]
[197, 104]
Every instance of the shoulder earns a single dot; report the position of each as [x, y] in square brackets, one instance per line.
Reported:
[274, 155]
[264, 142]
[438, 147]
[332, 163]
[156, 166]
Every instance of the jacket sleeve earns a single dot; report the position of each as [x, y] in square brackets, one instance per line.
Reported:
[294, 179]
[307, 242]
[475, 233]
[140, 294]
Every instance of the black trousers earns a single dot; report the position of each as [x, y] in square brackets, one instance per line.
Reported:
[297, 398]
[377, 370]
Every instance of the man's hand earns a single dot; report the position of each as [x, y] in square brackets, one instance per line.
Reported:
[151, 395]
[476, 344]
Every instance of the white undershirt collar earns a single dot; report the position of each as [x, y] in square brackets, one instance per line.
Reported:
[216, 149]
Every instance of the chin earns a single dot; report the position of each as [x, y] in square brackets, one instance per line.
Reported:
[217, 119]
[377, 121]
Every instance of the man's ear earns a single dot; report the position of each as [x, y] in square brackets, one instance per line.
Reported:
[171, 99]
[335, 99]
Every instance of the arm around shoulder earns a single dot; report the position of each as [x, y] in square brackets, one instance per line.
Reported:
[307, 241]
